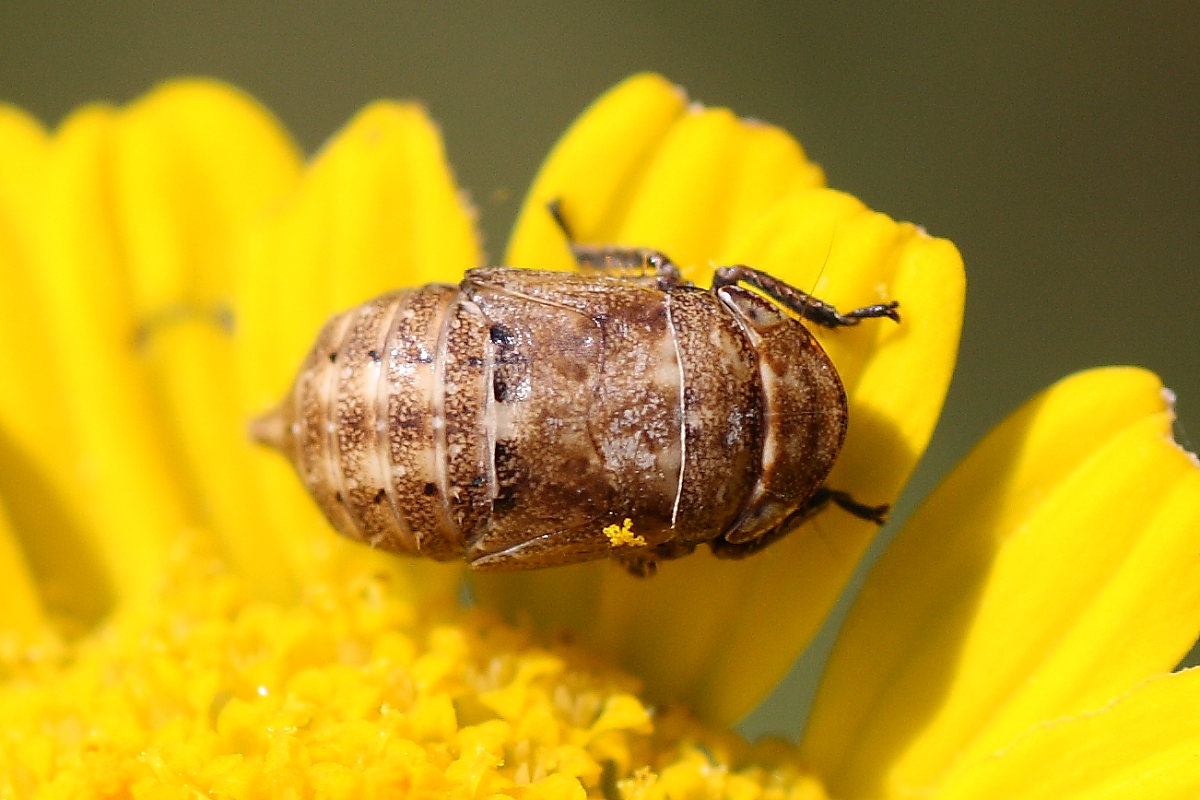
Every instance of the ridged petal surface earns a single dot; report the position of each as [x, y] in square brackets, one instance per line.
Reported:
[1054, 570]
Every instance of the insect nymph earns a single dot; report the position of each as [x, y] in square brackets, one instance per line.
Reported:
[511, 419]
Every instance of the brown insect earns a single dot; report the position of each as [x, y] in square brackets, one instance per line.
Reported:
[526, 419]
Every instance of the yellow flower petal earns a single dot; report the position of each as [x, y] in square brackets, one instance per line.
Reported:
[710, 189]
[620, 131]
[52, 541]
[196, 161]
[21, 610]
[1143, 745]
[1012, 595]
[115, 469]
[783, 597]
[31, 405]
[681, 199]
[713, 177]
[33, 437]
[676, 177]
[197, 165]
[30, 400]
[378, 209]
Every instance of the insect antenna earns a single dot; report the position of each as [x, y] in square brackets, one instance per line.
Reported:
[812, 287]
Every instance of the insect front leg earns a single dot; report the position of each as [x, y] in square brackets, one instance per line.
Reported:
[802, 303]
[813, 506]
[633, 263]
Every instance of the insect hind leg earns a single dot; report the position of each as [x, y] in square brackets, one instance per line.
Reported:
[819, 501]
[802, 303]
[876, 514]
[632, 263]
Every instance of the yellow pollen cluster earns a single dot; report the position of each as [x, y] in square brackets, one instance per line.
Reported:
[355, 692]
[623, 536]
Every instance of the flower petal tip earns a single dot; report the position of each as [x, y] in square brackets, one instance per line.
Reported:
[196, 84]
[1169, 399]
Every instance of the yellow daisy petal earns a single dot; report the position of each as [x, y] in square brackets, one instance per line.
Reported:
[51, 541]
[772, 165]
[676, 177]
[684, 183]
[971, 628]
[196, 161]
[115, 468]
[620, 131]
[21, 610]
[23, 153]
[31, 407]
[784, 597]
[197, 164]
[33, 438]
[717, 190]
[378, 209]
[1142, 745]
[710, 174]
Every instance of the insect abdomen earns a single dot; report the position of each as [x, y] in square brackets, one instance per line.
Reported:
[510, 419]
[371, 434]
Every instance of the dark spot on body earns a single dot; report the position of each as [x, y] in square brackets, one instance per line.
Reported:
[379, 496]
[337, 496]
[502, 336]
[508, 475]
[424, 358]
[374, 356]
[430, 489]
[503, 455]
[332, 357]
[478, 480]
[475, 361]
[499, 388]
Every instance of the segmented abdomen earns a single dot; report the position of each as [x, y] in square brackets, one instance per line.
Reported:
[387, 430]
[508, 420]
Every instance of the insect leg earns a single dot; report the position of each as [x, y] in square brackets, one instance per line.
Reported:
[643, 563]
[634, 263]
[813, 506]
[639, 566]
[876, 514]
[802, 303]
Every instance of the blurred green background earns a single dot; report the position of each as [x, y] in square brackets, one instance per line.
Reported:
[1055, 143]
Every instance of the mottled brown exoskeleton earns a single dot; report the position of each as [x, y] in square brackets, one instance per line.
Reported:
[511, 419]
